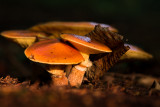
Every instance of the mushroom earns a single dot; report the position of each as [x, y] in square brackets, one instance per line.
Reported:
[56, 54]
[23, 37]
[136, 53]
[86, 46]
[79, 28]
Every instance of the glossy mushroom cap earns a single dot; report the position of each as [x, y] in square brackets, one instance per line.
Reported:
[23, 37]
[136, 53]
[53, 52]
[79, 28]
[85, 44]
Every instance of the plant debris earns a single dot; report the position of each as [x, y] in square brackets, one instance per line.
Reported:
[8, 81]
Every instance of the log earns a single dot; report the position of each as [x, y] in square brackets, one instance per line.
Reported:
[103, 62]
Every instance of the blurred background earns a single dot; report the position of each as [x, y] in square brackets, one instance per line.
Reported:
[137, 20]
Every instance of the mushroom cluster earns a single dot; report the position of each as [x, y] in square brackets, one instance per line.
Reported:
[59, 46]
[58, 54]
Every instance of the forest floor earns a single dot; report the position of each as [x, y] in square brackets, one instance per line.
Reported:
[114, 89]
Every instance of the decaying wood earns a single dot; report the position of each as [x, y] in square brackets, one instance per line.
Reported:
[103, 62]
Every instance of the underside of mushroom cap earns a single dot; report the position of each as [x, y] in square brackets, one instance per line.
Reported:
[53, 52]
[136, 53]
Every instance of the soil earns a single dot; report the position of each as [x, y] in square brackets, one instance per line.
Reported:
[116, 88]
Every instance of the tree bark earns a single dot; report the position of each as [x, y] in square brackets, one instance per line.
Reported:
[103, 62]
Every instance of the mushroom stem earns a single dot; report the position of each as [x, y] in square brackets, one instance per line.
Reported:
[68, 69]
[77, 74]
[58, 75]
[86, 62]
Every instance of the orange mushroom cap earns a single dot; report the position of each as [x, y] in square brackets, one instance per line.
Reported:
[53, 52]
[23, 37]
[79, 28]
[85, 44]
[81, 25]
[21, 34]
[136, 53]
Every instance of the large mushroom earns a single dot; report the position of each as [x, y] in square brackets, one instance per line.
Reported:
[24, 38]
[56, 55]
[79, 28]
[86, 46]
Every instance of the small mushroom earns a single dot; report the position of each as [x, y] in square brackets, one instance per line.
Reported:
[86, 46]
[23, 37]
[56, 55]
[136, 53]
[79, 28]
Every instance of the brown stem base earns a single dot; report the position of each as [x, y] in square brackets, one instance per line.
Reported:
[60, 81]
[75, 78]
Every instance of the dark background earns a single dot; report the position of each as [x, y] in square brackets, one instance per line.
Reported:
[136, 20]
